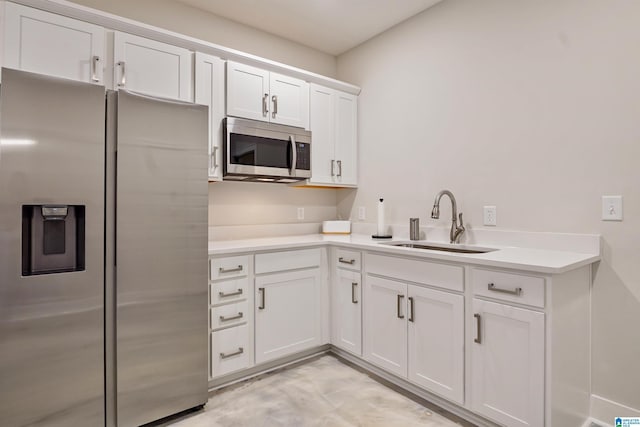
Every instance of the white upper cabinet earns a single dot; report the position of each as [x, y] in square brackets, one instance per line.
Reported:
[247, 92]
[51, 44]
[289, 101]
[333, 124]
[257, 94]
[209, 90]
[151, 67]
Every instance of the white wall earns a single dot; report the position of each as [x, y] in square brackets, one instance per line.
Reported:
[532, 106]
[232, 204]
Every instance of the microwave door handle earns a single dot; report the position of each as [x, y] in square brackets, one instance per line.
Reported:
[294, 160]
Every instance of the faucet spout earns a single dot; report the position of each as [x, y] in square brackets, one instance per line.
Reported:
[457, 228]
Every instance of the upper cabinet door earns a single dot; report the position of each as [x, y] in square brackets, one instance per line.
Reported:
[322, 125]
[247, 92]
[210, 91]
[47, 43]
[151, 67]
[346, 138]
[289, 101]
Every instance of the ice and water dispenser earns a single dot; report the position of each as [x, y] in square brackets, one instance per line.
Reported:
[52, 239]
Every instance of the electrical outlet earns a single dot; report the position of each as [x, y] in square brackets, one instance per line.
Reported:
[362, 214]
[490, 213]
[612, 208]
[300, 213]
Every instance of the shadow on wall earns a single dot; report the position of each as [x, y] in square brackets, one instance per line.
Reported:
[252, 203]
[614, 308]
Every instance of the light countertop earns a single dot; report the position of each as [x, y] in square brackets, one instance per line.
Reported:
[534, 260]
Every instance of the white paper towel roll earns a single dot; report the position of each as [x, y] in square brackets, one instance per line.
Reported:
[381, 231]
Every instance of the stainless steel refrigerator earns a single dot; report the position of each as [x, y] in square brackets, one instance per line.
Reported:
[103, 254]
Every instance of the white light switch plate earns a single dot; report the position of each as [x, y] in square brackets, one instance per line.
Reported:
[612, 208]
[490, 213]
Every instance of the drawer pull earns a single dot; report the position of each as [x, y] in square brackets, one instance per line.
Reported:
[230, 270]
[411, 317]
[354, 285]
[230, 294]
[235, 353]
[478, 338]
[226, 319]
[516, 291]
[261, 292]
[346, 261]
[399, 303]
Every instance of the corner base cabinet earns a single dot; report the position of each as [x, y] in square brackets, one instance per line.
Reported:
[287, 303]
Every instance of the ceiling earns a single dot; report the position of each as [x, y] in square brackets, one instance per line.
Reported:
[331, 26]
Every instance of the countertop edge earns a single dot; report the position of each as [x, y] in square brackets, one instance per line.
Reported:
[492, 259]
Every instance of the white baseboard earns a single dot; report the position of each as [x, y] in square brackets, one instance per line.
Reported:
[604, 411]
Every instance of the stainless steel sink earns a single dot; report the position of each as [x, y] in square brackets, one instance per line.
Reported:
[461, 249]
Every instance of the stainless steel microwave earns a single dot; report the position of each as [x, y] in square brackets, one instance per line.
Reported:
[265, 152]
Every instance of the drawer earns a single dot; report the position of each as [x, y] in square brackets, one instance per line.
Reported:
[222, 268]
[229, 315]
[429, 273]
[510, 287]
[289, 260]
[229, 291]
[230, 350]
[351, 260]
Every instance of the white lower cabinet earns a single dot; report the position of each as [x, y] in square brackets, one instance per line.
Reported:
[287, 313]
[230, 350]
[347, 311]
[385, 327]
[508, 364]
[436, 341]
[416, 333]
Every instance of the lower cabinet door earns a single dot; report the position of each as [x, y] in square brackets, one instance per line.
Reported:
[230, 350]
[385, 324]
[347, 311]
[287, 313]
[507, 376]
[436, 341]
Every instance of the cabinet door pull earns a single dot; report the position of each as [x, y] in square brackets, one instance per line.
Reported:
[230, 294]
[223, 270]
[94, 68]
[399, 303]
[235, 353]
[262, 292]
[265, 107]
[411, 309]
[274, 99]
[478, 338]
[123, 76]
[340, 168]
[353, 292]
[226, 319]
[516, 291]
[214, 157]
[346, 261]
[333, 164]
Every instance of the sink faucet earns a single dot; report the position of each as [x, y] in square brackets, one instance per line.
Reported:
[456, 229]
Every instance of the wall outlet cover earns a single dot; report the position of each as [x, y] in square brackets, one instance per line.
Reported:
[300, 213]
[362, 213]
[612, 208]
[490, 216]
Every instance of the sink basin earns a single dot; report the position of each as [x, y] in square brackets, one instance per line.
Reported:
[461, 249]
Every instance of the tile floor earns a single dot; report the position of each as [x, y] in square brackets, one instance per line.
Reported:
[322, 392]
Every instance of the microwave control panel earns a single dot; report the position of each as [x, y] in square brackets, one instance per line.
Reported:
[303, 153]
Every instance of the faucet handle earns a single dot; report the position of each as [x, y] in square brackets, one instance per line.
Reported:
[460, 220]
